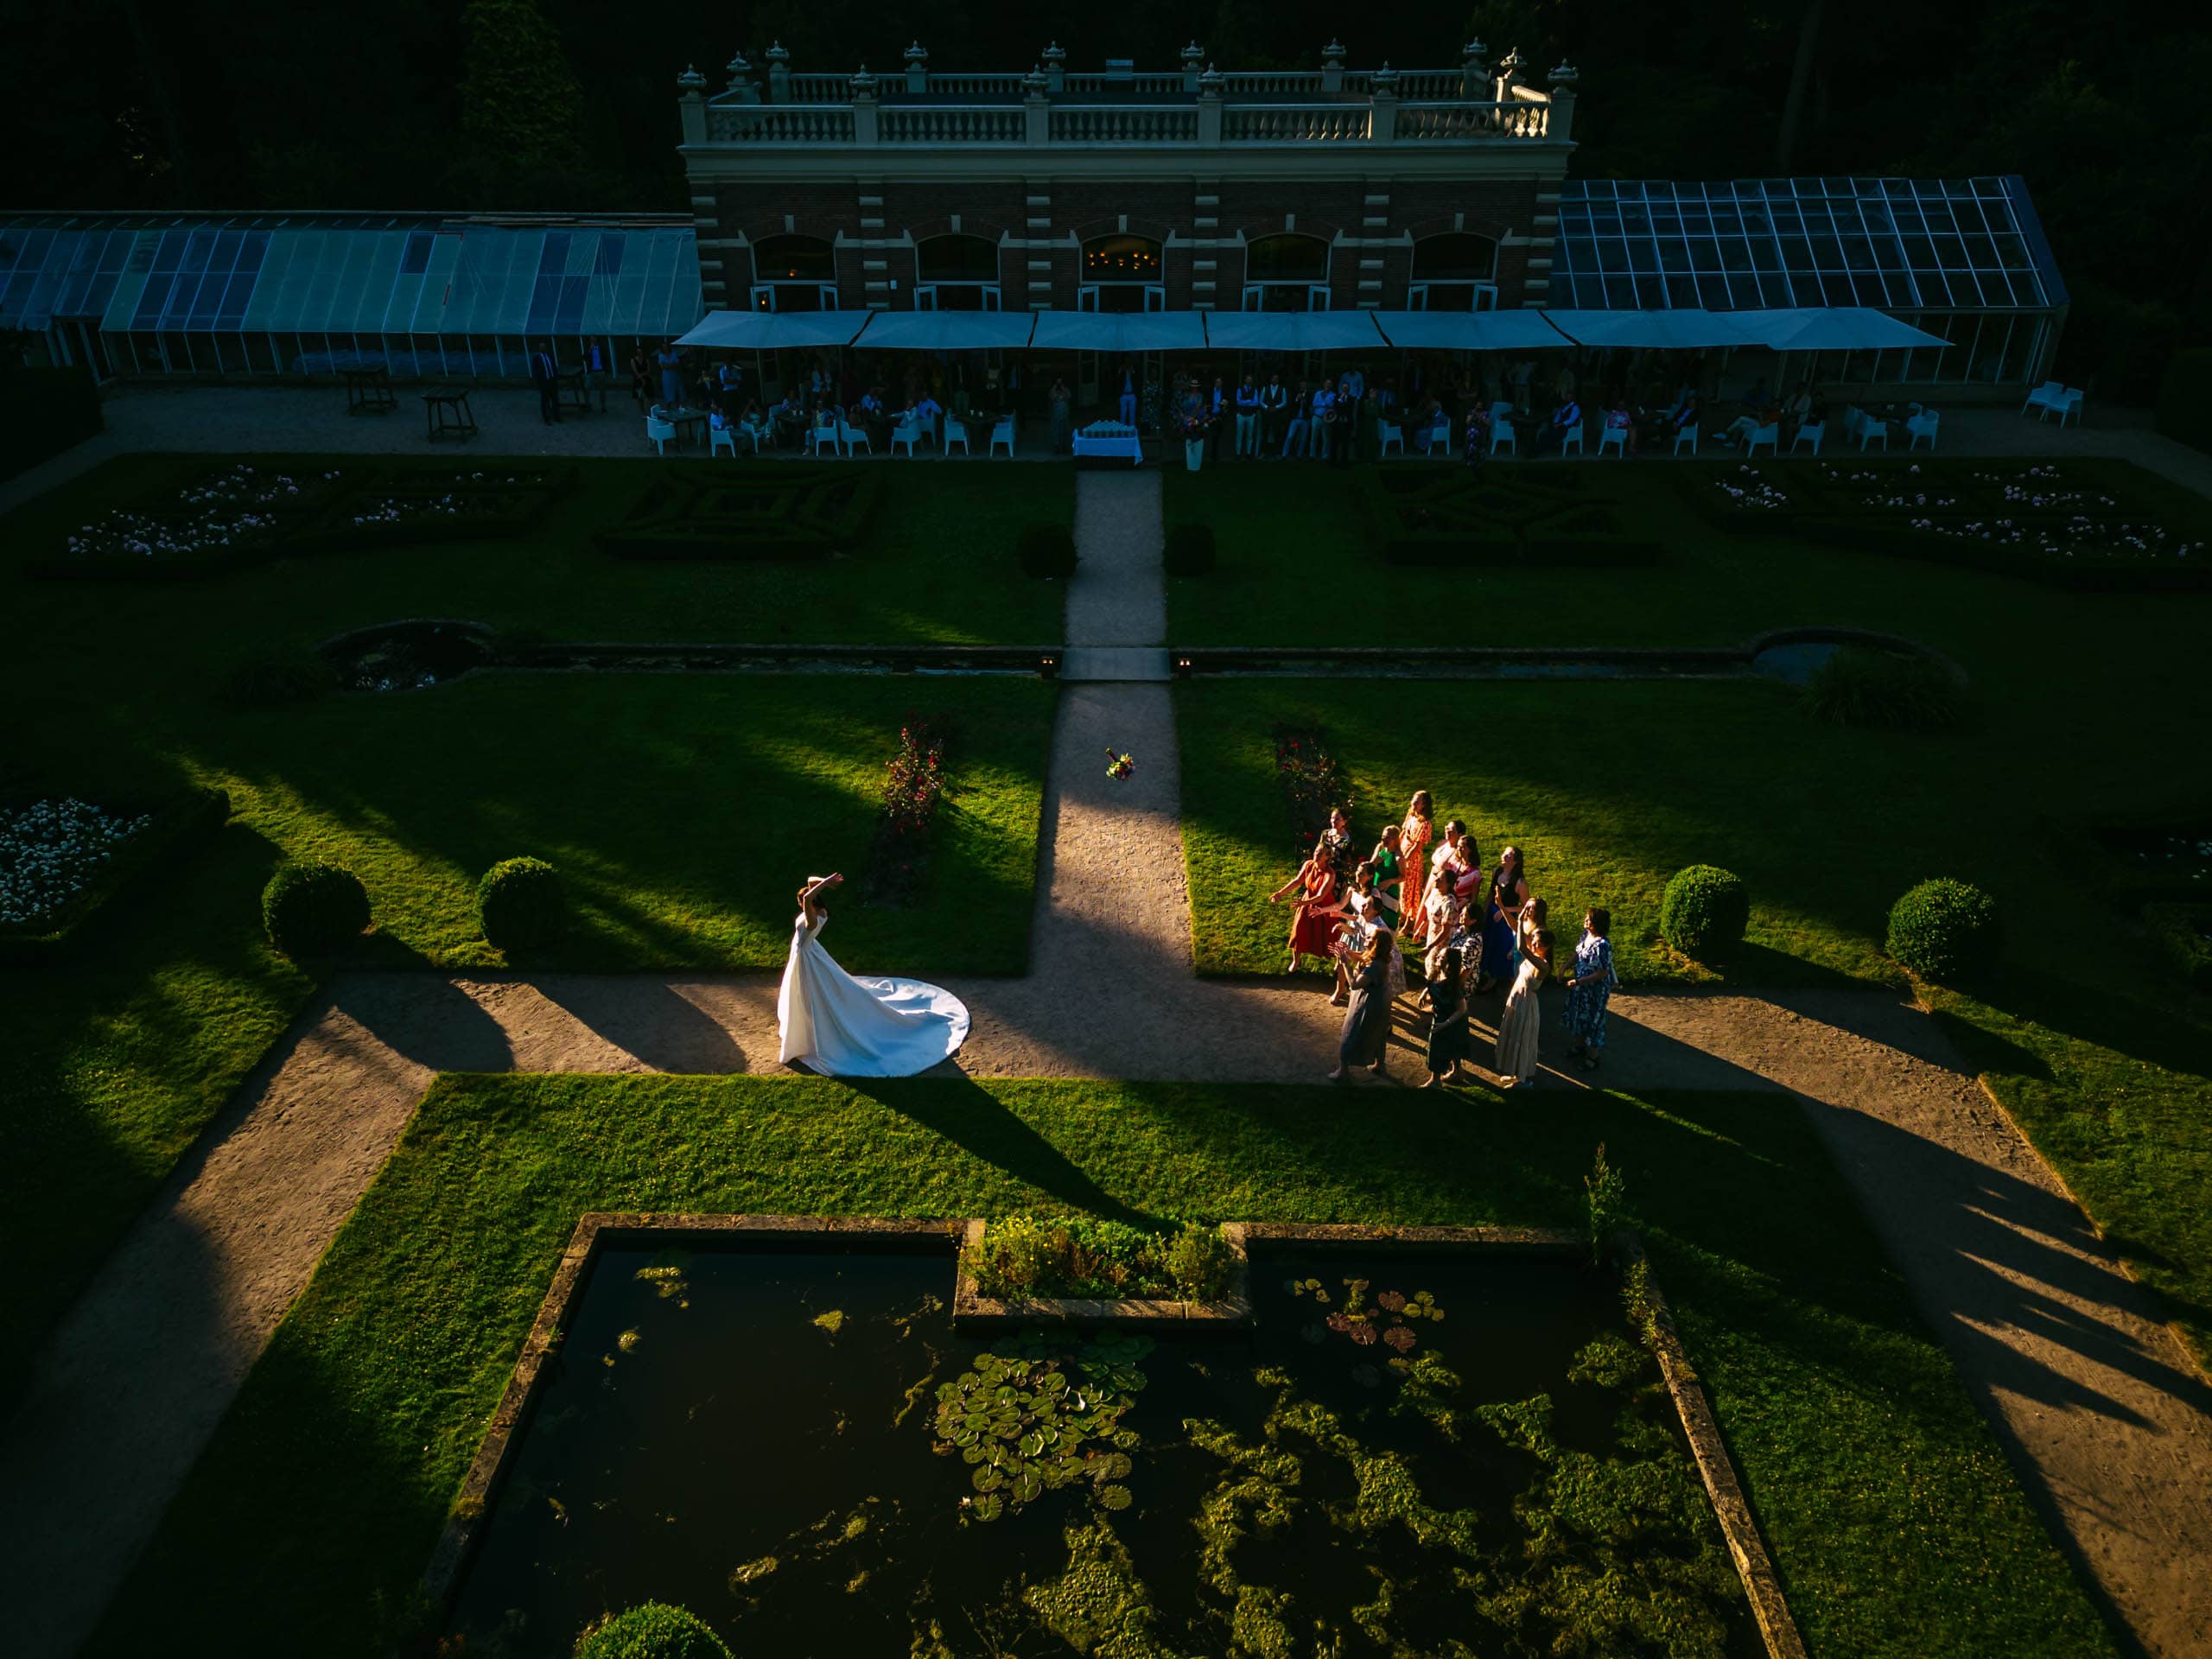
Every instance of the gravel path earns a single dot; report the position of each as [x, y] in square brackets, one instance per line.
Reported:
[2107, 1417]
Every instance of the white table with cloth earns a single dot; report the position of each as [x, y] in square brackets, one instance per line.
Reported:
[1112, 439]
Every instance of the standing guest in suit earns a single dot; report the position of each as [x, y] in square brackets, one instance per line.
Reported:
[1274, 413]
[1247, 419]
[1130, 395]
[1217, 407]
[1298, 435]
[547, 378]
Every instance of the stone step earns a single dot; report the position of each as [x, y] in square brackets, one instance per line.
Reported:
[1109, 662]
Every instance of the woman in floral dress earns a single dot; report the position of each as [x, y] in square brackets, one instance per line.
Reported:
[1413, 843]
[1590, 988]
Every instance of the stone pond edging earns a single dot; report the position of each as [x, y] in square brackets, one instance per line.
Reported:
[602, 1229]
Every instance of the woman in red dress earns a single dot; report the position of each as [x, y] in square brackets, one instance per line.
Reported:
[1314, 929]
[1413, 838]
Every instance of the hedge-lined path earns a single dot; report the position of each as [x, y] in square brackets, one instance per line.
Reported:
[2107, 1416]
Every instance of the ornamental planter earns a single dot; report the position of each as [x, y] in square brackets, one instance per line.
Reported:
[1194, 454]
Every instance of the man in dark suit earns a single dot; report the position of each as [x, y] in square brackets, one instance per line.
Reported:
[546, 379]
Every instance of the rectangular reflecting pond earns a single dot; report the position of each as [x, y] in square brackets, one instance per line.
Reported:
[1447, 1453]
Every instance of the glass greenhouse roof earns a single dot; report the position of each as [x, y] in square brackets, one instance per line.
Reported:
[1902, 244]
[349, 274]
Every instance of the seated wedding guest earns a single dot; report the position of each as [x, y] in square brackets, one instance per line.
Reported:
[1590, 987]
[1619, 418]
[717, 418]
[1797, 409]
[1739, 430]
[1507, 896]
[1520, 1024]
[1477, 448]
[1314, 927]
[1566, 416]
[754, 421]
[1366, 1035]
[1448, 1040]
[928, 411]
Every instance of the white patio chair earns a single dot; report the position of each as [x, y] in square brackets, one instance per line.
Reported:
[721, 438]
[1501, 435]
[906, 432]
[1002, 434]
[818, 436]
[1922, 426]
[1501, 410]
[1386, 435]
[956, 432]
[1439, 438]
[1573, 440]
[2044, 398]
[1614, 437]
[850, 435]
[1769, 435]
[1812, 432]
[2070, 404]
[1686, 435]
[659, 433]
[1871, 430]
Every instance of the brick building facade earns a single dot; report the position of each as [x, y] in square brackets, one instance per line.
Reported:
[1121, 191]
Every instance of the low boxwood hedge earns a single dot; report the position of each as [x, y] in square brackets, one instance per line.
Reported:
[522, 904]
[1455, 517]
[1704, 911]
[651, 1629]
[1944, 930]
[312, 907]
[2182, 934]
[182, 825]
[758, 511]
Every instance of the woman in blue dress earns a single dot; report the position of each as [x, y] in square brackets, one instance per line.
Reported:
[1590, 988]
[1509, 891]
[672, 375]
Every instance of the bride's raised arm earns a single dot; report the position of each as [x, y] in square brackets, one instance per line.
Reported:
[816, 886]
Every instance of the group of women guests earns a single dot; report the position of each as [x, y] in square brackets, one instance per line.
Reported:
[1422, 896]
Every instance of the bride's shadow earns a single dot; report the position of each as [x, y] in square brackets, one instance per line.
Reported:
[979, 1123]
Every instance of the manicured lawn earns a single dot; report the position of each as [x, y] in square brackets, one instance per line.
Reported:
[938, 565]
[682, 809]
[1894, 1517]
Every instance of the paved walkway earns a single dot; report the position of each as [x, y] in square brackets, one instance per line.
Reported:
[2108, 1417]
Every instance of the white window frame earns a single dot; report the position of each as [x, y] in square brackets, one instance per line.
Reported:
[1317, 295]
[827, 292]
[1155, 294]
[1486, 295]
[925, 294]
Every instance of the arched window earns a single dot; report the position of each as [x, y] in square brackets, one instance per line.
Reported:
[794, 273]
[1289, 272]
[957, 273]
[1122, 273]
[1456, 271]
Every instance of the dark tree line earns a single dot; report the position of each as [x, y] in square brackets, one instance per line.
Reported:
[542, 104]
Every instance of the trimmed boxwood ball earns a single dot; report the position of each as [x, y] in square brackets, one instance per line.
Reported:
[1046, 550]
[522, 904]
[651, 1629]
[1944, 930]
[311, 907]
[1704, 911]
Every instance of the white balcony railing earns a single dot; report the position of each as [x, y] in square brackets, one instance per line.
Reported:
[1125, 123]
[951, 123]
[1294, 123]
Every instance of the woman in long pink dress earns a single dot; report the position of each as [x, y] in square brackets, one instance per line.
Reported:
[1413, 837]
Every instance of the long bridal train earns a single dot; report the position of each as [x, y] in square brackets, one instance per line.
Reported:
[849, 1027]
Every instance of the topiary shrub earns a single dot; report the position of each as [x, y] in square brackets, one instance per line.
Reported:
[522, 904]
[1190, 550]
[1880, 688]
[311, 907]
[278, 680]
[1943, 930]
[1704, 911]
[2182, 935]
[651, 1629]
[1046, 550]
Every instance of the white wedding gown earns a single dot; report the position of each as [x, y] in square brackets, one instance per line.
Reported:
[849, 1027]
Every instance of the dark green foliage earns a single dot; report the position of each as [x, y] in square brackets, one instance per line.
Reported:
[2184, 409]
[278, 679]
[1605, 1199]
[2182, 935]
[1945, 931]
[311, 907]
[42, 412]
[1190, 550]
[1046, 550]
[651, 1629]
[1884, 690]
[764, 511]
[522, 904]
[519, 99]
[1455, 517]
[1029, 1256]
[1704, 911]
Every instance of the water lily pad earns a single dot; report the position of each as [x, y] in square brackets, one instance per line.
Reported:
[1115, 1498]
[1114, 1465]
[987, 1480]
[1026, 1486]
[987, 1507]
[1033, 1445]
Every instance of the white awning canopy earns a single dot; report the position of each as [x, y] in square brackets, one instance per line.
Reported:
[1687, 329]
[1292, 331]
[770, 331]
[1119, 331]
[947, 331]
[1468, 331]
[1837, 328]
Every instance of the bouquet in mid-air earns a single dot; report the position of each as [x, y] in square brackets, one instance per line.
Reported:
[1119, 766]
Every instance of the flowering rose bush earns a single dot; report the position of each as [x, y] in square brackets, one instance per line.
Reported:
[912, 789]
[1313, 780]
[50, 851]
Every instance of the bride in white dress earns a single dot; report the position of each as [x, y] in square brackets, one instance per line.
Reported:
[849, 1027]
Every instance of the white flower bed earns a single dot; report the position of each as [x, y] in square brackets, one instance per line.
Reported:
[400, 508]
[229, 509]
[1911, 497]
[1747, 489]
[2070, 537]
[49, 852]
